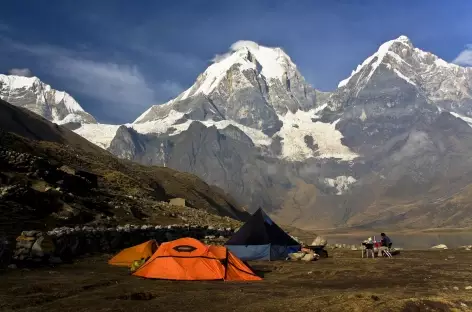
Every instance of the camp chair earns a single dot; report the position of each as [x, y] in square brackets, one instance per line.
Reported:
[387, 253]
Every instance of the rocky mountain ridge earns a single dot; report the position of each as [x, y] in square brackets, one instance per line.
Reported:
[50, 176]
[33, 94]
[395, 132]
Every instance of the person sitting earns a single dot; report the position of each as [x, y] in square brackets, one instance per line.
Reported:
[385, 244]
[386, 241]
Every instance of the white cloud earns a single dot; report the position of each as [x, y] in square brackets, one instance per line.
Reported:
[235, 46]
[110, 83]
[244, 43]
[122, 88]
[465, 57]
[26, 72]
[220, 57]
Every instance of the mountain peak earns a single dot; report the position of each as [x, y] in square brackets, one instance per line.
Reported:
[403, 38]
[270, 63]
[244, 44]
[244, 84]
[41, 98]
[17, 82]
[389, 47]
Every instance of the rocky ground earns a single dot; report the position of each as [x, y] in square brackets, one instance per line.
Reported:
[43, 186]
[439, 280]
[52, 177]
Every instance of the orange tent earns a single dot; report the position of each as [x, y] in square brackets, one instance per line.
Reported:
[190, 259]
[128, 255]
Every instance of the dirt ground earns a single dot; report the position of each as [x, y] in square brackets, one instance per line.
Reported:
[411, 281]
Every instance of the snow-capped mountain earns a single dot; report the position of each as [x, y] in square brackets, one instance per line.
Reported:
[33, 94]
[256, 89]
[446, 85]
[251, 125]
[233, 77]
[396, 86]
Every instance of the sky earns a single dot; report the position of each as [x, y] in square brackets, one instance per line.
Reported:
[117, 58]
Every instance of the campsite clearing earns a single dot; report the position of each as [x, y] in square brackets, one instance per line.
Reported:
[410, 281]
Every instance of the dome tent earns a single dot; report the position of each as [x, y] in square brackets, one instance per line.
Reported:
[189, 259]
[128, 255]
[260, 238]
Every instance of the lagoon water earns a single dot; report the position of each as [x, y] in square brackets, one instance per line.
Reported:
[408, 241]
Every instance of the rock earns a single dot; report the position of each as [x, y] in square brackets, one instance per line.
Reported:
[468, 288]
[319, 241]
[455, 288]
[440, 246]
[42, 247]
[296, 255]
[12, 266]
[308, 257]
[31, 233]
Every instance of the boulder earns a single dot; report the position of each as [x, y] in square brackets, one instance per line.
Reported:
[43, 246]
[319, 241]
[440, 246]
[296, 255]
[309, 257]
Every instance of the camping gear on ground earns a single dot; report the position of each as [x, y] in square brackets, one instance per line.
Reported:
[261, 239]
[319, 250]
[190, 259]
[128, 255]
[296, 255]
[303, 255]
[318, 246]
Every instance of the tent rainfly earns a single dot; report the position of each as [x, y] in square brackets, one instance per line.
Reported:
[128, 255]
[191, 260]
[261, 239]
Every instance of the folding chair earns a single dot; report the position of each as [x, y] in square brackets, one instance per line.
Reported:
[387, 253]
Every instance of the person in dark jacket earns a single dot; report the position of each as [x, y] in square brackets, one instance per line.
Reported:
[386, 241]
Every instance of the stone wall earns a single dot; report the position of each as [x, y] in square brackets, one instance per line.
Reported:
[68, 243]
